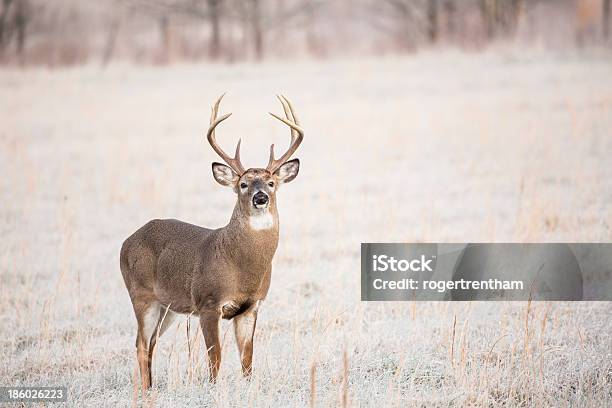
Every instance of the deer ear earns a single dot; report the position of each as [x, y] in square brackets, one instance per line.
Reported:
[224, 175]
[288, 171]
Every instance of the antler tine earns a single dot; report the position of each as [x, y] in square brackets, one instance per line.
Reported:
[234, 162]
[289, 114]
[291, 110]
[297, 135]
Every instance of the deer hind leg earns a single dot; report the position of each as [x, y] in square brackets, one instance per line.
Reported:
[244, 328]
[147, 315]
[210, 321]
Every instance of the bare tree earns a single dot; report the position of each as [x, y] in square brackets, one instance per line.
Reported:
[260, 17]
[432, 20]
[15, 16]
[397, 19]
[4, 22]
[256, 28]
[451, 14]
[605, 19]
[500, 17]
[214, 17]
[209, 11]
[111, 41]
[21, 21]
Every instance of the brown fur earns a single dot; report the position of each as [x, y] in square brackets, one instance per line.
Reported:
[214, 274]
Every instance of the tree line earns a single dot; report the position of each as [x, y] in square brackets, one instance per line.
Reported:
[66, 32]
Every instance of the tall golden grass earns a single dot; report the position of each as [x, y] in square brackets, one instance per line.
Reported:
[432, 147]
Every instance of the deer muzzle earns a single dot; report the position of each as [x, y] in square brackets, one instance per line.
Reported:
[260, 200]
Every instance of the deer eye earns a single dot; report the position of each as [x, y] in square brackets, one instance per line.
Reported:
[271, 184]
[243, 185]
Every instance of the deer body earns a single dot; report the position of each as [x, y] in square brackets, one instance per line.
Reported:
[189, 266]
[171, 267]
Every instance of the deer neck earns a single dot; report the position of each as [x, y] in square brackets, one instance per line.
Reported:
[252, 236]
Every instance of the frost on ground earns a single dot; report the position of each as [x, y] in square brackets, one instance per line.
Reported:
[439, 147]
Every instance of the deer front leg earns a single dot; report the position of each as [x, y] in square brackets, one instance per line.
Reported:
[244, 328]
[209, 321]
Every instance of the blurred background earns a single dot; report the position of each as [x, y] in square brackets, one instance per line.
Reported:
[68, 32]
[426, 121]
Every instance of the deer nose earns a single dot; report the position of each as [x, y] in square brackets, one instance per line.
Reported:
[260, 198]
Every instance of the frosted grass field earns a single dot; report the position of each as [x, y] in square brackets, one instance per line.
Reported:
[440, 147]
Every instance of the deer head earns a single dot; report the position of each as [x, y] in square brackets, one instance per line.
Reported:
[256, 187]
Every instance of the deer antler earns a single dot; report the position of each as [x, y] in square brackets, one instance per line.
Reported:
[234, 162]
[297, 134]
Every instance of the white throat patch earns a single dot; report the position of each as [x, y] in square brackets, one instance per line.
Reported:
[261, 221]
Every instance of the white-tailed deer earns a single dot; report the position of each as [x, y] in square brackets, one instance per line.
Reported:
[173, 267]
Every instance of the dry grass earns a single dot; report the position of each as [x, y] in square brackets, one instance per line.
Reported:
[434, 147]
